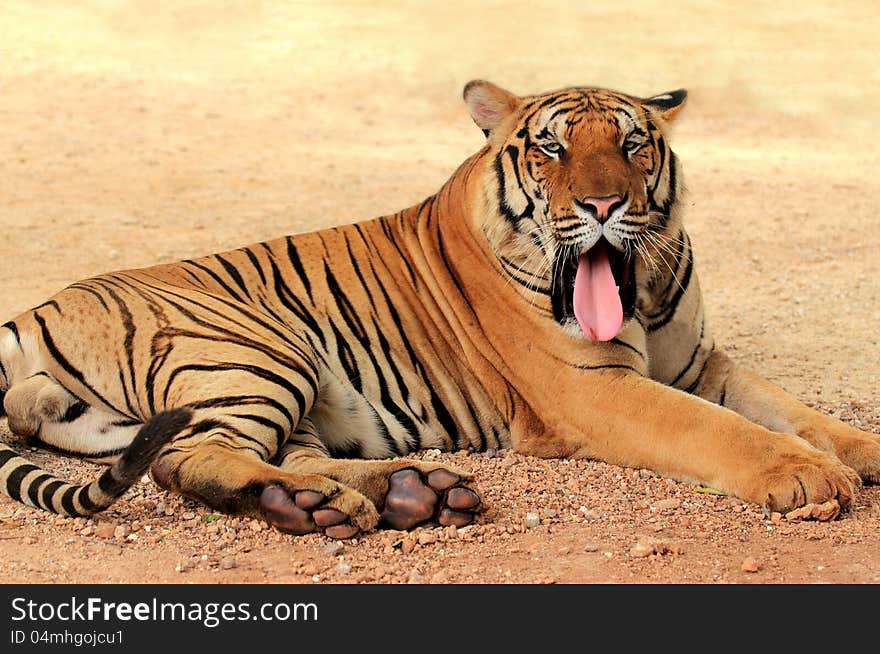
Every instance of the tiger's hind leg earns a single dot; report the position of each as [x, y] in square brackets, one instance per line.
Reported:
[222, 457]
[406, 492]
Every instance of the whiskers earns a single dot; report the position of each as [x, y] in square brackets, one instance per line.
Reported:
[659, 248]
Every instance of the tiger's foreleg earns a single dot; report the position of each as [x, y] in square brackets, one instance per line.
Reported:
[761, 401]
[405, 492]
[630, 420]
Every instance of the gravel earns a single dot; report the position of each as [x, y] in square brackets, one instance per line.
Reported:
[536, 509]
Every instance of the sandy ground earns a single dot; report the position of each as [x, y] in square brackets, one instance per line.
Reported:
[132, 135]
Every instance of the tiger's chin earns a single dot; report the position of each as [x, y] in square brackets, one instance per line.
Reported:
[563, 288]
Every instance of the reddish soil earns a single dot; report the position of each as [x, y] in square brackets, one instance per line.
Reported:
[134, 135]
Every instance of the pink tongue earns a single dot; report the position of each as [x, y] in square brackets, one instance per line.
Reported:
[597, 304]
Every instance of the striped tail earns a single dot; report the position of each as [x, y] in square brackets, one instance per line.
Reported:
[25, 482]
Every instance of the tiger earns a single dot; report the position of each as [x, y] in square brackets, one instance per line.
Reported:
[545, 299]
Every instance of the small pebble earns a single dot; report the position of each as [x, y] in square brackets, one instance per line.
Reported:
[105, 530]
[255, 525]
[343, 568]
[88, 530]
[121, 531]
[160, 508]
[426, 537]
[667, 504]
[531, 520]
[189, 515]
[490, 453]
[407, 545]
[228, 562]
[589, 547]
[749, 565]
[334, 548]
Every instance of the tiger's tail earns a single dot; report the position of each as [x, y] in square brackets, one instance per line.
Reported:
[27, 483]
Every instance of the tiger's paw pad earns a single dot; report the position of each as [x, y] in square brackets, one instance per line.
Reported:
[305, 512]
[440, 495]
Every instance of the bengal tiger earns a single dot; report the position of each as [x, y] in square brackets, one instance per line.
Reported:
[544, 299]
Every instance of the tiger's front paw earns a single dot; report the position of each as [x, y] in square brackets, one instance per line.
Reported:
[799, 476]
[855, 448]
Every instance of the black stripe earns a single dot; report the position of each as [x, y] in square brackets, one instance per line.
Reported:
[670, 308]
[33, 491]
[64, 363]
[99, 454]
[80, 286]
[452, 275]
[128, 345]
[617, 341]
[51, 303]
[262, 373]
[85, 501]
[125, 423]
[693, 386]
[48, 493]
[280, 433]
[292, 303]
[472, 411]
[13, 481]
[346, 357]
[11, 326]
[226, 287]
[388, 403]
[74, 411]
[386, 229]
[346, 309]
[293, 257]
[6, 455]
[255, 263]
[723, 393]
[233, 272]
[210, 424]
[67, 500]
[243, 400]
[693, 356]
[604, 367]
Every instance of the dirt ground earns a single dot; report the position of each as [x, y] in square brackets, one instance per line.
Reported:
[132, 135]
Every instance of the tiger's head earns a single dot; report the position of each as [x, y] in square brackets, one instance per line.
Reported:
[582, 190]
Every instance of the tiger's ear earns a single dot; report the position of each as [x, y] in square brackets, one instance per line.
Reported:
[488, 104]
[668, 104]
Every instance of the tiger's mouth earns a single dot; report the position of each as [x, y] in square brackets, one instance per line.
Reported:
[596, 289]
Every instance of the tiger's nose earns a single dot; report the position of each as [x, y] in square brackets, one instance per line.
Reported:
[601, 208]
